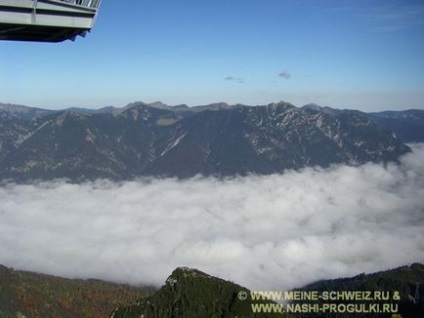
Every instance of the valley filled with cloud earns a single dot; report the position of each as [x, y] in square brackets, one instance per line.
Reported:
[264, 232]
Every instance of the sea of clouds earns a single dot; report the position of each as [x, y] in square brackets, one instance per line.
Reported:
[265, 232]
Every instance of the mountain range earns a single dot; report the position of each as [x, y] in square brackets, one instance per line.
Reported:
[191, 293]
[180, 141]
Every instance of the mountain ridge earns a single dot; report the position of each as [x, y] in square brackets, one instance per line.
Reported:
[30, 294]
[219, 140]
[408, 124]
[186, 292]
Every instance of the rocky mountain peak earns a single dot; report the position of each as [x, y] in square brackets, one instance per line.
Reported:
[185, 273]
[188, 293]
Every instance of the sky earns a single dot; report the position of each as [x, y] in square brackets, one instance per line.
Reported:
[362, 54]
[271, 232]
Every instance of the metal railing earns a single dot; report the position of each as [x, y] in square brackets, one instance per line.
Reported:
[85, 3]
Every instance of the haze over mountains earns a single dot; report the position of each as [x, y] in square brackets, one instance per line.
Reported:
[218, 140]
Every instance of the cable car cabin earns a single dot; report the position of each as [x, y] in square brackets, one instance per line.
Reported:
[46, 20]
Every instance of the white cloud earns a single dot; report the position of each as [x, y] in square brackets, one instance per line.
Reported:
[234, 79]
[264, 232]
[285, 74]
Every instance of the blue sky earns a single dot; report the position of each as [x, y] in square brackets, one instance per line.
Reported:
[359, 54]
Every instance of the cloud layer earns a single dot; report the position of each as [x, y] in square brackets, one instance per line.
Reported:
[264, 232]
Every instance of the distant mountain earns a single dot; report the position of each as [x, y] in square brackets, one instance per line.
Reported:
[15, 112]
[25, 294]
[403, 280]
[10, 112]
[189, 293]
[408, 125]
[103, 110]
[325, 109]
[221, 140]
